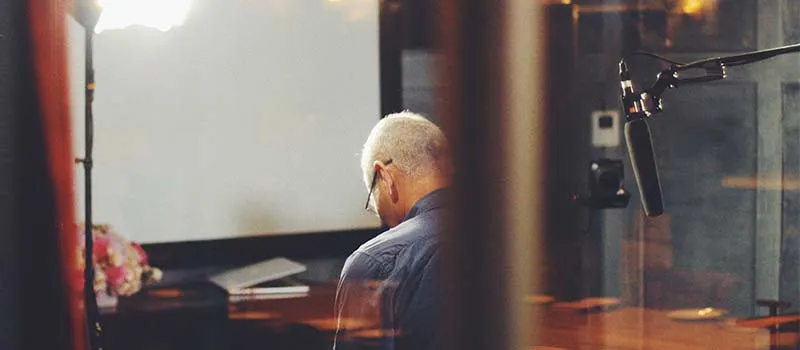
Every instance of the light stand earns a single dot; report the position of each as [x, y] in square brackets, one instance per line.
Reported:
[92, 315]
[125, 13]
[87, 14]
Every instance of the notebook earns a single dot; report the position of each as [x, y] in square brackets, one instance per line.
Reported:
[264, 278]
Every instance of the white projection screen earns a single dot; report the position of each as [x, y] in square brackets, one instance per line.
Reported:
[247, 120]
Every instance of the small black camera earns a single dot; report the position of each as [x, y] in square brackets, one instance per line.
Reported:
[607, 184]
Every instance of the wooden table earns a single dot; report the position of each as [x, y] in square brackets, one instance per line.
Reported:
[638, 328]
[259, 321]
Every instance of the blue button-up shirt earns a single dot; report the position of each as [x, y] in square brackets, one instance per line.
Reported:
[390, 282]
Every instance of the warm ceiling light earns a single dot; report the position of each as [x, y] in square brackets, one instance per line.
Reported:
[692, 7]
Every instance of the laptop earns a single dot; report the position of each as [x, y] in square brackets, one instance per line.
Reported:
[270, 277]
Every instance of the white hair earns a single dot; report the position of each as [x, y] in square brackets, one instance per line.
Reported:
[416, 146]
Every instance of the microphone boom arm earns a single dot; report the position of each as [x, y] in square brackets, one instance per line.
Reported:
[715, 69]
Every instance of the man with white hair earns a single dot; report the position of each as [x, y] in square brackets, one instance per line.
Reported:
[391, 279]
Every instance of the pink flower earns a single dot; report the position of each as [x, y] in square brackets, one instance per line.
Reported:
[121, 266]
[142, 255]
[115, 275]
[101, 247]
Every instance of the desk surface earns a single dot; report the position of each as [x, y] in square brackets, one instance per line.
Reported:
[638, 328]
[248, 321]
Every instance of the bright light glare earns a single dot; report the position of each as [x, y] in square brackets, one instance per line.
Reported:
[159, 14]
[692, 7]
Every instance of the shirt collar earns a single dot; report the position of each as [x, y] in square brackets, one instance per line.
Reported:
[434, 199]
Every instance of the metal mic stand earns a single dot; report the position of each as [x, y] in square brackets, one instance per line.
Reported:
[715, 69]
[649, 102]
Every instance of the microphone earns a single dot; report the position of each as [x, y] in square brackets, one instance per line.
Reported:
[640, 147]
[643, 161]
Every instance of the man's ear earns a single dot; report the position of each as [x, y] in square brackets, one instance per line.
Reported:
[387, 179]
[391, 185]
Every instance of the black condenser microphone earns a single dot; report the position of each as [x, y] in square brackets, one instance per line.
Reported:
[640, 147]
[643, 161]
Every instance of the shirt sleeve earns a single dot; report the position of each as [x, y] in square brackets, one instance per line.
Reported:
[357, 304]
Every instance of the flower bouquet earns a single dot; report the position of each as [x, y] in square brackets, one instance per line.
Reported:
[120, 266]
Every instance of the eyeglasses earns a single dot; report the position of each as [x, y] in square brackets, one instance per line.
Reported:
[374, 180]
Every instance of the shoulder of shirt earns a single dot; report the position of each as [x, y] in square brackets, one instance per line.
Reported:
[360, 256]
[399, 236]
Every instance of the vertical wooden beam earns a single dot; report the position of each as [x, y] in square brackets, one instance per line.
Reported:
[491, 113]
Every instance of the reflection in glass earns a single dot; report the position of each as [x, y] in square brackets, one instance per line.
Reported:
[672, 25]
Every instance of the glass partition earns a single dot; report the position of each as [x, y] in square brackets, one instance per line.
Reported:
[718, 269]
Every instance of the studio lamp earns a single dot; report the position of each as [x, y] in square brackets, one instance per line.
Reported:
[96, 17]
